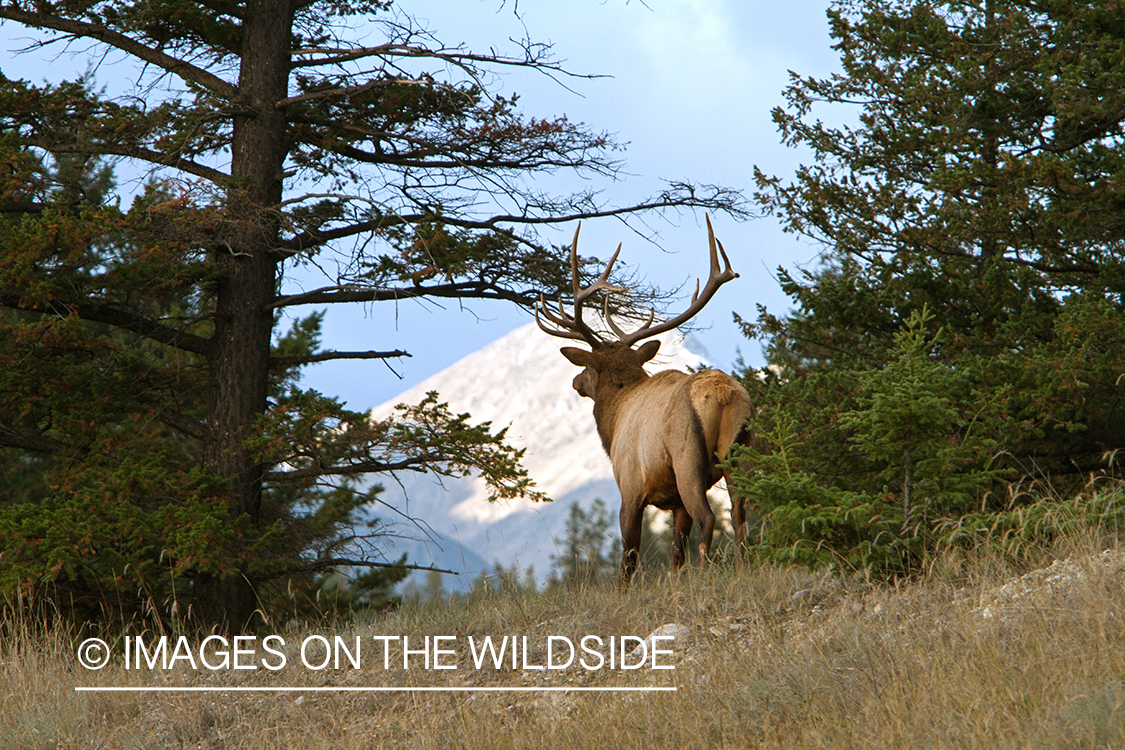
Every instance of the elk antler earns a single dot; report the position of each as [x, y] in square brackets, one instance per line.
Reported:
[698, 300]
[572, 327]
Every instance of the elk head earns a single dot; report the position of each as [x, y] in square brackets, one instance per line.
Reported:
[617, 358]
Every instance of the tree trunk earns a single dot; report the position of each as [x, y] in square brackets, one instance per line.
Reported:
[907, 489]
[239, 360]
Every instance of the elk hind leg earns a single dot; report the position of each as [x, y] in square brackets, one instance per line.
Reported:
[687, 447]
[738, 519]
[738, 503]
[681, 530]
[694, 494]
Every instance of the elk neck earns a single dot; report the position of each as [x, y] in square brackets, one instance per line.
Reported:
[612, 393]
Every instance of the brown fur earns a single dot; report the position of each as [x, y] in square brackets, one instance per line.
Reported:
[665, 435]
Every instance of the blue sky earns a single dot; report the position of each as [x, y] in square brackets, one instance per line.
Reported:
[689, 87]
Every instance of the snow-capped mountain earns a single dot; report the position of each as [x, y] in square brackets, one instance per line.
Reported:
[520, 381]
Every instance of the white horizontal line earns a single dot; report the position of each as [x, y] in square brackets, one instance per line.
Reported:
[376, 689]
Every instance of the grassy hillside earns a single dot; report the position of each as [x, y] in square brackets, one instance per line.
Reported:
[977, 653]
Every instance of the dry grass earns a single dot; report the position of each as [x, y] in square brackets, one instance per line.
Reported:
[973, 655]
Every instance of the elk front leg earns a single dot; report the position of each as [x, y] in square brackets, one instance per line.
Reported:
[632, 519]
[681, 529]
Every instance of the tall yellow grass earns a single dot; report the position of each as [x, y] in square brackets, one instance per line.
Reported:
[976, 653]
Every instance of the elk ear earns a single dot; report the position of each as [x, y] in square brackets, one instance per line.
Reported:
[577, 356]
[648, 351]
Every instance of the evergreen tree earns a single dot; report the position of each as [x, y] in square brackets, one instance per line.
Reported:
[589, 552]
[921, 422]
[500, 579]
[980, 179]
[187, 470]
[977, 179]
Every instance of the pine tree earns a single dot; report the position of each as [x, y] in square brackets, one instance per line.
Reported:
[980, 178]
[965, 323]
[589, 553]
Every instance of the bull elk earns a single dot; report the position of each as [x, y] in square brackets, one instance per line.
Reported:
[666, 434]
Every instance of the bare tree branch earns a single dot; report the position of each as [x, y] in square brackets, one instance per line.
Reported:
[534, 57]
[720, 199]
[343, 91]
[419, 464]
[35, 443]
[352, 293]
[174, 65]
[330, 355]
[114, 316]
[138, 152]
[344, 562]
